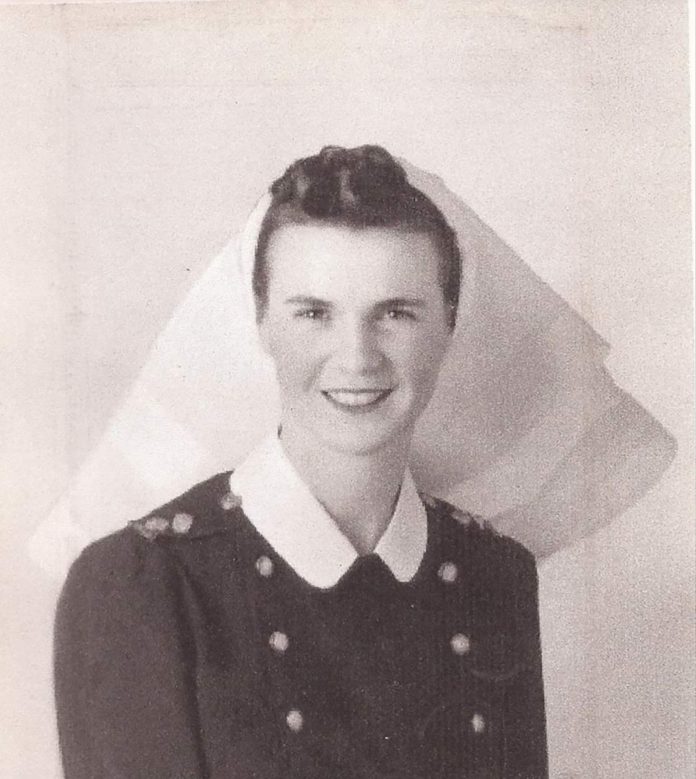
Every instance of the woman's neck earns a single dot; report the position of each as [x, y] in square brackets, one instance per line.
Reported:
[358, 491]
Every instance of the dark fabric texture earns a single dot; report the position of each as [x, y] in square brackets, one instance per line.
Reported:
[165, 665]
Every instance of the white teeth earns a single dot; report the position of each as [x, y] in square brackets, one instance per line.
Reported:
[349, 398]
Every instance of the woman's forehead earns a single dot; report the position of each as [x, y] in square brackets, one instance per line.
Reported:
[335, 260]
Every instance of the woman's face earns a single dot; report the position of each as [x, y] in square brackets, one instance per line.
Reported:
[356, 325]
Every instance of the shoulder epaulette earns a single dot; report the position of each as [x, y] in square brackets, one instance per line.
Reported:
[465, 518]
[202, 511]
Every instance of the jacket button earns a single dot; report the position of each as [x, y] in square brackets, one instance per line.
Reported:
[156, 524]
[295, 720]
[182, 523]
[460, 644]
[264, 565]
[279, 642]
[448, 573]
[230, 501]
[478, 723]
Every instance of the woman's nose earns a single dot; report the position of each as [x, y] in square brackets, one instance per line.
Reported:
[358, 350]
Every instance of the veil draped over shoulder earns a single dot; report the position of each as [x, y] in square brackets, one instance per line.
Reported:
[526, 428]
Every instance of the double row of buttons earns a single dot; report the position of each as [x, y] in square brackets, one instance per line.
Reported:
[279, 641]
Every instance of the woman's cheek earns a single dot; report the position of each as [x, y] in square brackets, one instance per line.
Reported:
[297, 360]
[425, 361]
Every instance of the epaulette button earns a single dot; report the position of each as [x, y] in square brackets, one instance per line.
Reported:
[462, 516]
[156, 524]
[229, 501]
[182, 523]
[151, 527]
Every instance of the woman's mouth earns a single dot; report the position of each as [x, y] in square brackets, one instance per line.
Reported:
[356, 398]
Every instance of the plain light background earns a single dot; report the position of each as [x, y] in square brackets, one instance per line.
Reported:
[135, 138]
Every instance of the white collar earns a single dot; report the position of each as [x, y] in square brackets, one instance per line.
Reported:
[281, 507]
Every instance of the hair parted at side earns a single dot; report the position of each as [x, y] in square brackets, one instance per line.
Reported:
[360, 188]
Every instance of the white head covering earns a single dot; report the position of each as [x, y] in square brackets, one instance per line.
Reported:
[526, 426]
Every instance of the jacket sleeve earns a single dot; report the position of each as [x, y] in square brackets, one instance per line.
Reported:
[526, 749]
[123, 666]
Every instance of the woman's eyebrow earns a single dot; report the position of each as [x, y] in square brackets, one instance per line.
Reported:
[405, 302]
[307, 300]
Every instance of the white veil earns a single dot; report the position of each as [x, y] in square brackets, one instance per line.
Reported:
[526, 426]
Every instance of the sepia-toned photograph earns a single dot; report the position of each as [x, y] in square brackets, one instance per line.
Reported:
[347, 413]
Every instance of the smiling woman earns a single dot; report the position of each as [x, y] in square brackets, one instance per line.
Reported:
[311, 613]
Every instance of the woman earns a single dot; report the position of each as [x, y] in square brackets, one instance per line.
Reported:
[311, 614]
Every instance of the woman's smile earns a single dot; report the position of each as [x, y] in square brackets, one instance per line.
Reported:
[357, 399]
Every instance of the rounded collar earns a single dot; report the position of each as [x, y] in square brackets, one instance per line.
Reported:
[283, 510]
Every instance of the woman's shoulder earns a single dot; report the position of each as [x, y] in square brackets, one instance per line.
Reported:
[149, 543]
[465, 530]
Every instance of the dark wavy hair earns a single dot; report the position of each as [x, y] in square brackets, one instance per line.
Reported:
[358, 188]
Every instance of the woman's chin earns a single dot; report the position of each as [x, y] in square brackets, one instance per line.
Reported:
[358, 432]
[364, 441]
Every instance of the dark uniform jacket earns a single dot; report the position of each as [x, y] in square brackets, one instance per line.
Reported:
[186, 648]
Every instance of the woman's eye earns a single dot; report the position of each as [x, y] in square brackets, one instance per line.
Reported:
[318, 314]
[400, 313]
